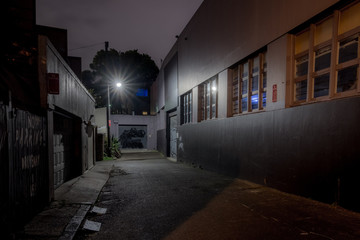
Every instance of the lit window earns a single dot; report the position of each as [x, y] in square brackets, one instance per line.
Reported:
[248, 85]
[326, 61]
[208, 99]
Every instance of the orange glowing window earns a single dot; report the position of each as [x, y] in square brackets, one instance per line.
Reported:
[326, 58]
[349, 18]
[302, 42]
[323, 31]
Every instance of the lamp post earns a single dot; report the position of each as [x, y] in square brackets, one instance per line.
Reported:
[108, 111]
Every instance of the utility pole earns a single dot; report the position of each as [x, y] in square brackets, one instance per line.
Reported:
[108, 122]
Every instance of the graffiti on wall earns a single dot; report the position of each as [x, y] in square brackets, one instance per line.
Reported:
[29, 148]
[132, 136]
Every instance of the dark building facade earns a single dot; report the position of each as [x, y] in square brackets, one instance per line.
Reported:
[23, 147]
[58, 37]
[41, 102]
[267, 91]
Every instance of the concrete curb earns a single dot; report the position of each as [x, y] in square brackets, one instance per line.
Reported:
[73, 200]
[75, 223]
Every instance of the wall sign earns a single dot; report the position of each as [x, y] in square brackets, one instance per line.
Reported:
[274, 93]
[53, 83]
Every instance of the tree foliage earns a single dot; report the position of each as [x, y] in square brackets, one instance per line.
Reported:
[133, 69]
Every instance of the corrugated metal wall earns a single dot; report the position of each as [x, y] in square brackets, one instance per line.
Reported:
[310, 150]
[4, 173]
[23, 163]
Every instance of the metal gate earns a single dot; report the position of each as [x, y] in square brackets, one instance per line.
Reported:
[133, 136]
[63, 148]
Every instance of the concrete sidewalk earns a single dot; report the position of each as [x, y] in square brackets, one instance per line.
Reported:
[72, 201]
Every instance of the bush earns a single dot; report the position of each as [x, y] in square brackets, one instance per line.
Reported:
[114, 149]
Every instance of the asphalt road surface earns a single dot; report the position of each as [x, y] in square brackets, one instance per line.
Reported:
[149, 197]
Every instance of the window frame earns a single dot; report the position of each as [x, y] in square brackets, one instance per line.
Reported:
[332, 70]
[206, 100]
[186, 108]
[237, 79]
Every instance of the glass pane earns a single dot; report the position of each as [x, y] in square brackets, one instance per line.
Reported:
[190, 107]
[347, 79]
[264, 99]
[235, 74]
[264, 63]
[255, 101]
[302, 42]
[255, 83]
[235, 106]
[244, 87]
[213, 98]
[203, 104]
[301, 90]
[323, 31]
[264, 80]
[348, 49]
[349, 18]
[213, 111]
[302, 66]
[236, 90]
[207, 94]
[321, 85]
[256, 64]
[208, 112]
[213, 86]
[322, 58]
[245, 72]
[244, 105]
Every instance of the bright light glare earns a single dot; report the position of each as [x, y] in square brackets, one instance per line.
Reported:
[214, 89]
[118, 84]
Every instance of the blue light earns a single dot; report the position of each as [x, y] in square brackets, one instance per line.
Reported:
[255, 99]
[142, 92]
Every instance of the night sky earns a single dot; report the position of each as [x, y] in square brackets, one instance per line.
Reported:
[147, 25]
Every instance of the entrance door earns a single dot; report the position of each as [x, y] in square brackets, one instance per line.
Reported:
[59, 161]
[173, 136]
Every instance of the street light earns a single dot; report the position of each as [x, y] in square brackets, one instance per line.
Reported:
[108, 110]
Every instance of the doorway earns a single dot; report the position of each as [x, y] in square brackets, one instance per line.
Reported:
[172, 134]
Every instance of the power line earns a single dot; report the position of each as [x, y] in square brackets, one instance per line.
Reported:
[88, 46]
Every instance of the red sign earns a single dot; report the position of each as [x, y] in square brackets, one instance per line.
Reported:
[274, 93]
[53, 83]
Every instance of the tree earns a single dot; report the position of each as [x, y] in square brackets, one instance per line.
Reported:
[134, 70]
[88, 79]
